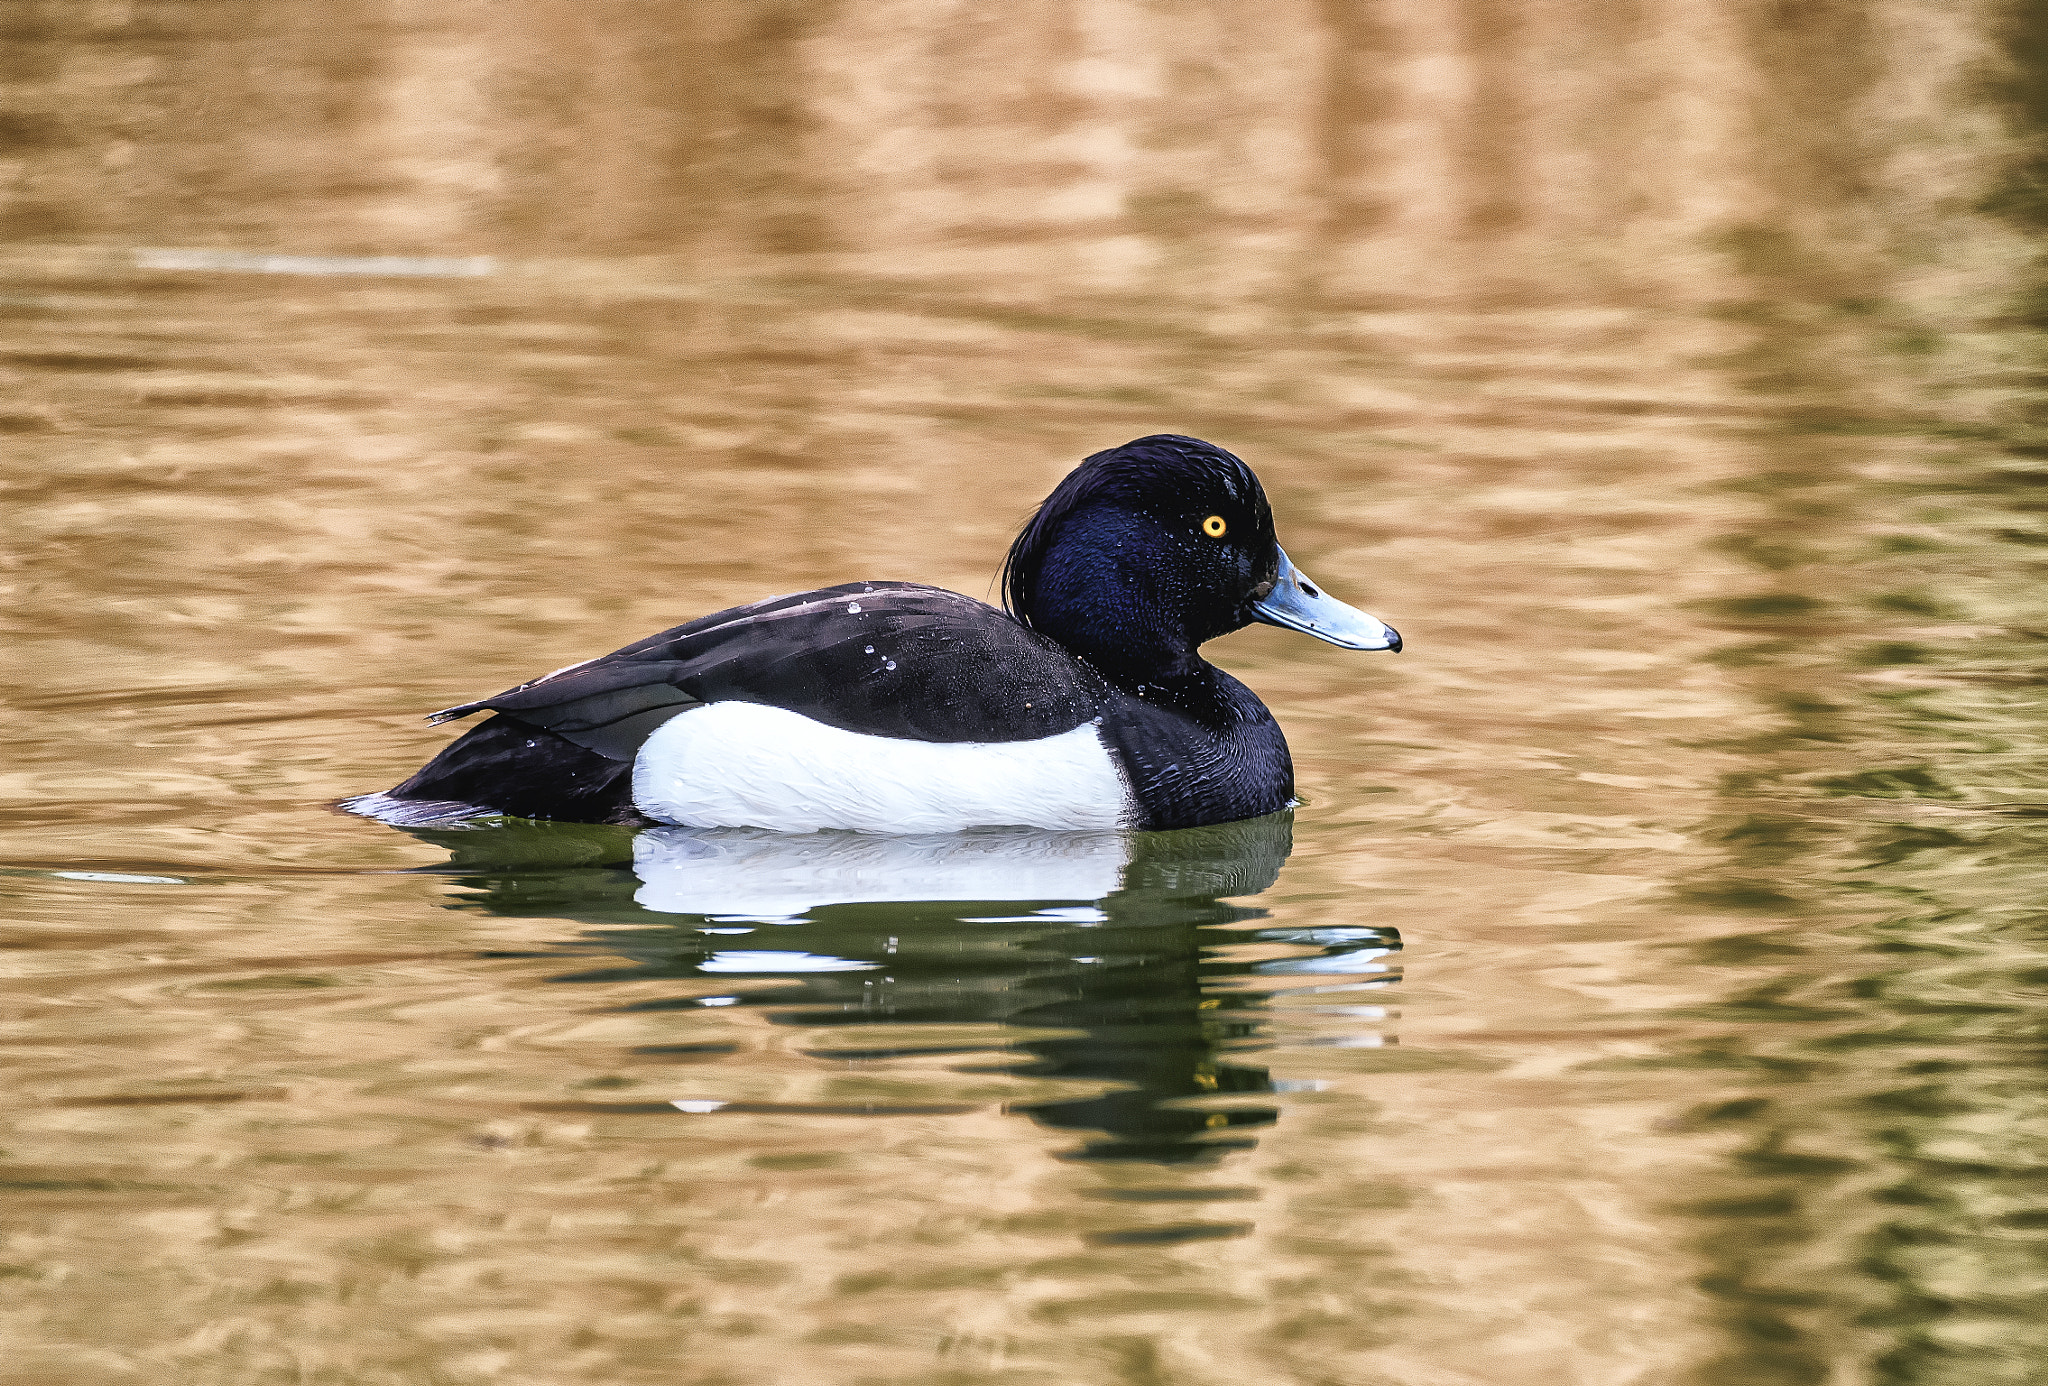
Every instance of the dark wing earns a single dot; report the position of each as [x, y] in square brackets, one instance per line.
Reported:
[885, 659]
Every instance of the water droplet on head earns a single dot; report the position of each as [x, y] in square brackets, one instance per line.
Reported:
[888, 664]
[867, 649]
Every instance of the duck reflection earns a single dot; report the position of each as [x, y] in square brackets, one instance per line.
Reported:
[1121, 944]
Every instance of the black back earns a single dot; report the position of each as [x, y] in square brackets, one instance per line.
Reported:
[882, 659]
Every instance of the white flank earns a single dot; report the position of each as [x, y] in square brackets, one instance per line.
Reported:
[732, 765]
[767, 875]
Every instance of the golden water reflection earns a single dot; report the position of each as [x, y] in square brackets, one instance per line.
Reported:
[1669, 377]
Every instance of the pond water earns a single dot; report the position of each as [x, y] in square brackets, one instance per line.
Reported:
[1649, 987]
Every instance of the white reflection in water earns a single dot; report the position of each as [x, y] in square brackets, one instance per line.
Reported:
[779, 960]
[753, 874]
[1358, 960]
[1068, 914]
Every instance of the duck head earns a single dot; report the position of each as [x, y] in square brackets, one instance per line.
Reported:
[1146, 551]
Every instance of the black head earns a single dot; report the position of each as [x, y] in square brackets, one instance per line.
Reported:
[1142, 553]
[1148, 550]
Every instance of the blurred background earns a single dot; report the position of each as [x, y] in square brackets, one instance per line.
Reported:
[1670, 372]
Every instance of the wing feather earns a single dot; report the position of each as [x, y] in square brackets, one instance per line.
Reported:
[895, 660]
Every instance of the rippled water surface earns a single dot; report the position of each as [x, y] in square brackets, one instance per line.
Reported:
[1649, 988]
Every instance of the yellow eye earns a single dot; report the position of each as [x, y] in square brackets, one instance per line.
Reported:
[1214, 526]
